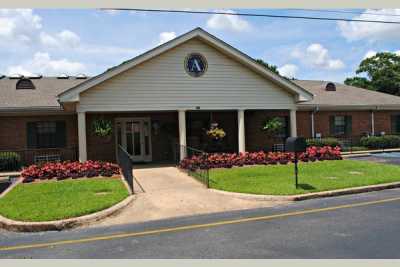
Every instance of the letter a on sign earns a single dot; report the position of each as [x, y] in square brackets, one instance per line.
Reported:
[195, 65]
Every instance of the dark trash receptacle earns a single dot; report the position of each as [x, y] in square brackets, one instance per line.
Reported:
[295, 144]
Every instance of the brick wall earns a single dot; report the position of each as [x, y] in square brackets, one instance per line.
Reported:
[13, 131]
[383, 121]
[303, 119]
[361, 121]
[256, 138]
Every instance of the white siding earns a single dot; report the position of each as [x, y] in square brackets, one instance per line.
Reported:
[162, 84]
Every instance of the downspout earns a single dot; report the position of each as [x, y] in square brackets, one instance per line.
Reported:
[373, 121]
[313, 121]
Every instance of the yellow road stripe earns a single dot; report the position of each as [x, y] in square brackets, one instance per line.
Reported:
[194, 226]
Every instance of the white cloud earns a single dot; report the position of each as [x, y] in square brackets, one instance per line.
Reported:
[19, 25]
[288, 70]
[67, 39]
[166, 36]
[371, 31]
[228, 22]
[42, 63]
[63, 39]
[316, 55]
[370, 53]
[108, 50]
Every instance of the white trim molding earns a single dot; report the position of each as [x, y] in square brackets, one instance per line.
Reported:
[241, 131]
[293, 123]
[182, 133]
[82, 136]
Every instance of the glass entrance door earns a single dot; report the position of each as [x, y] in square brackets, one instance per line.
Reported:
[134, 135]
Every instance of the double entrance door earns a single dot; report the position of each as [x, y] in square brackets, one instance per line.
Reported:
[134, 135]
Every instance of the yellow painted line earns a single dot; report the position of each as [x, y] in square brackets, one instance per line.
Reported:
[194, 226]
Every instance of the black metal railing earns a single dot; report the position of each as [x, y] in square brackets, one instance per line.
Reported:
[126, 165]
[354, 144]
[14, 160]
[195, 168]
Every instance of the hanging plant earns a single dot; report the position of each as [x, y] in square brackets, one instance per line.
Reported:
[216, 133]
[102, 127]
[273, 126]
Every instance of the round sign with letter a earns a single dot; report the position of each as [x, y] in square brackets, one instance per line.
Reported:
[195, 65]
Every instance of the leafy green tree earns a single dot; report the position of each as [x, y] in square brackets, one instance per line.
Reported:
[361, 82]
[271, 67]
[382, 73]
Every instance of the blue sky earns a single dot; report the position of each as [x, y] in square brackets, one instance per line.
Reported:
[51, 42]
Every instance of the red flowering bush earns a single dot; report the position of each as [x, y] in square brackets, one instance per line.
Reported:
[64, 170]
[228, 160]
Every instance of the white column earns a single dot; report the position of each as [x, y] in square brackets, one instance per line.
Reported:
[312, 124]
[182, 133]
[372, 122]
[82, 136]
[241, 131]
[293, 124]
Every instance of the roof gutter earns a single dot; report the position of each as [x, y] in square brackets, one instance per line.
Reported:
[347, 107]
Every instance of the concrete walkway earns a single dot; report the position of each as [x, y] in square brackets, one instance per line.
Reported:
[166, 192]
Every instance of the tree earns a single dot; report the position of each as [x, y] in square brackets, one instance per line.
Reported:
[361, 82]
[382, 73]
[271, 67]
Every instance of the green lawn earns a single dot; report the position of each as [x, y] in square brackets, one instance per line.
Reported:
[313, 177]
[54, 200]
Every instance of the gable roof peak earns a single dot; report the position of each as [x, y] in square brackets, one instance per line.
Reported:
[72, 94]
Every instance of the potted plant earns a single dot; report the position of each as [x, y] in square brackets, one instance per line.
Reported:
[102, 128]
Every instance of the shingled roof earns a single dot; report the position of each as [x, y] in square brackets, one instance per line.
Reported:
[345, 96]
[43, 97]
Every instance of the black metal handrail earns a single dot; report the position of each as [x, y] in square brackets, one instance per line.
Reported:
[197, 171]
[126, 165]
[15, 159]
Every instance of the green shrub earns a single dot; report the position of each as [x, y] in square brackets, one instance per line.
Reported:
[9, 161]
[320, 142]
[385, 141]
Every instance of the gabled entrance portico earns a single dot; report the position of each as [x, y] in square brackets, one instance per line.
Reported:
[165, 82]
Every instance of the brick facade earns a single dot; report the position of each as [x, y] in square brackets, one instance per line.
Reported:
[13, 133]
[303, 120]
[383, 121]
[13, 130]
[361, 122]
[256, 138]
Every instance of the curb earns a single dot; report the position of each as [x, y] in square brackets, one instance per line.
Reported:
[368, 152]
[332, 193]
[11, 187]
[18, 226]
